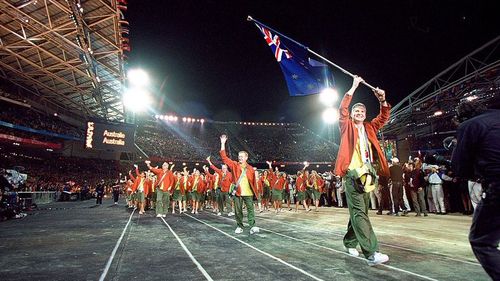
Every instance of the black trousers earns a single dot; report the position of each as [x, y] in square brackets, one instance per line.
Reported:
[116, 195]
[484, 233]
[397, 196]
[99, 198]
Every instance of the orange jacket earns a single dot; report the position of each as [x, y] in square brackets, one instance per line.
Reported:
[349, 138]
[224, 181]
[168, 180]
[148, 186]
[184, 186]
[137, 181]
[209, 180]
[300, 184]
[236, 170]
[200, 187]
[319, 182]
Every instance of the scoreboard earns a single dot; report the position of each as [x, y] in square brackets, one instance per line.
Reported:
[108, 136]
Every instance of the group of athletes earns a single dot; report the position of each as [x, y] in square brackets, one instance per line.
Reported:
[213, 188]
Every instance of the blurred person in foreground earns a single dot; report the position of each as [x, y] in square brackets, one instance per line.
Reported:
[477, 155]
[359, 150]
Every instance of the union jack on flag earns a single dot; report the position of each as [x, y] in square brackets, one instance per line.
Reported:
[274, 41]
[303, 75]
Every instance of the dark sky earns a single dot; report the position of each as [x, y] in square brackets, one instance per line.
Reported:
[215, 64]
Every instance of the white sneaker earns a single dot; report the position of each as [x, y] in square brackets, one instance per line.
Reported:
[254, 230]
[230, 214]
[173, 211]
[158, 216]
[163, 216]
[238, 230]
[377, 258]
[219, 214]
[352, 251]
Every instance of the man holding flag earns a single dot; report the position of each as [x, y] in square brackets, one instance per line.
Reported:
[360, 148]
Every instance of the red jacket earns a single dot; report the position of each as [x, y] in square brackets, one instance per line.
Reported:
[319, 182]
[300, 184]
[237, 170]
[278, 182]
[200, 187]
[181, 184]
[224, 181]
[167, 180]
[210, 180]
[137, 182]
[349, 138]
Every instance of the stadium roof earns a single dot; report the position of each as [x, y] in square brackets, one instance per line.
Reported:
[429, 109]
[66, 52]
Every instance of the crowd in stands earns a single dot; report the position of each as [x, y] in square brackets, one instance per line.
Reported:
[51, 174]
[194, 142]
[27, 135]
[30, 117]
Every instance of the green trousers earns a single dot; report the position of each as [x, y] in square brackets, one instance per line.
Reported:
[238, 210]
[224, 199]
[359, 228]
[162, 202]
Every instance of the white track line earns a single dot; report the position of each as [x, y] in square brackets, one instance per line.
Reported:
[344, 253]
[258, 250]
[188, 252]
[389, 245]
[378, 230]
[110, 260]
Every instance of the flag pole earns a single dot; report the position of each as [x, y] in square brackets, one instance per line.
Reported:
[337, 66]
[249, 18]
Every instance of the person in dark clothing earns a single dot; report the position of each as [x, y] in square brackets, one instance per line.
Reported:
[397, 188]
[116, 191]
[416, 187]
[99, 189]
[477, 154]
[384, 193]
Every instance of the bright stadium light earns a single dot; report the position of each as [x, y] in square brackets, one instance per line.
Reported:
[330, 115]
[328, 96]
[137, 77]
[136, 100]
[439, 112]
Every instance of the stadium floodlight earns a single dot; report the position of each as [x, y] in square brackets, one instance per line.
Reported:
[328, 96]
[439, 112]
[330, 115]
[184, 119]
[202, 121]
[138, 78]
[471, 98]
[136, 99]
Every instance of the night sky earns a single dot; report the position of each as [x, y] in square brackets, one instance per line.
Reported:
[206, 60]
